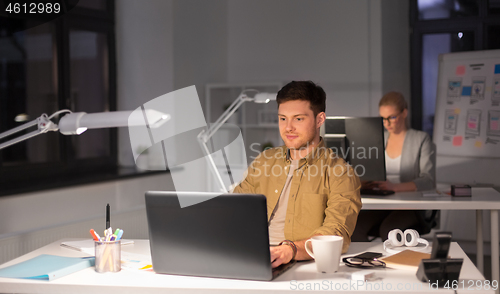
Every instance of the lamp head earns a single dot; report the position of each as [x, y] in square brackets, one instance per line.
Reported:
[80, 130]
[70, 124]
[78, 122]
[264, 97]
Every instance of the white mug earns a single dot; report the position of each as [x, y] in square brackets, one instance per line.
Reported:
[326, 251]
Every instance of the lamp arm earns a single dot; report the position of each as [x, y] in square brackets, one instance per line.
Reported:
[18, 129]
[44, 125]
[211, 162]
[206, 135]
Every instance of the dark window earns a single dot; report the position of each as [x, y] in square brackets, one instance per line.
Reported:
[494, 6]
[88, 53]
[493, 36]
[447, 9]
[445, 26]
[93, 4]
[28, 88]
[67, 63]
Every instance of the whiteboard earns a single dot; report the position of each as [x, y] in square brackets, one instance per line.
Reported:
[467, 119]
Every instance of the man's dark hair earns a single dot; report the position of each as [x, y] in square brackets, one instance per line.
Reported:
[303, 90]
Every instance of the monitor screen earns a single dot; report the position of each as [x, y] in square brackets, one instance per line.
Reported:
[360, 142]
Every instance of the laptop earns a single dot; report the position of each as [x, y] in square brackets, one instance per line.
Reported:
[224, 237]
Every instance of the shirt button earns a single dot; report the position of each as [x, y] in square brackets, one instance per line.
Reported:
[275, 191]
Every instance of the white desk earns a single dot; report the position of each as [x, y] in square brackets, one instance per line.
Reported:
[482, 199]
[300, 276]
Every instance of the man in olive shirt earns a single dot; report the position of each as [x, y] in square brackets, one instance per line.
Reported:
[309, 189]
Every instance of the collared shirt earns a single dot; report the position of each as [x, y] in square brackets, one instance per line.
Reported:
[324, 192]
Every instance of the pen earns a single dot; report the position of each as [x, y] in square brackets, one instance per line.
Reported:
[115, 235]
[107, 216]
[119, 236]
[108, 232]
[94, 235]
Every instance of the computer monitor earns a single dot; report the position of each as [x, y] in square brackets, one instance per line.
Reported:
[359, 141]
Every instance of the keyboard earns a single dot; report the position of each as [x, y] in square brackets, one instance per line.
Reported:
[376, 192]
[277, 271]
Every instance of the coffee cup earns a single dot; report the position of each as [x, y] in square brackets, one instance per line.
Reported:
[326, 251]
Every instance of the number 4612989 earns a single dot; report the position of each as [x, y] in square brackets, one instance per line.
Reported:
[33, 8]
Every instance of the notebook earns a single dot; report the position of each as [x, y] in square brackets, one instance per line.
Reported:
[224, 237]
[46, 267]
[405, 260]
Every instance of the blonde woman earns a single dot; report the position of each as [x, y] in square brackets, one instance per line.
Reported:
[410, 166]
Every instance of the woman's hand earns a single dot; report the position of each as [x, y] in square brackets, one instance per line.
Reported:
[386, 185]
[368, 185]
[401, 187]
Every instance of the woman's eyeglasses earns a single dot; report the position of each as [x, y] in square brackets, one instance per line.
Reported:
[363, 262]
[391, 119]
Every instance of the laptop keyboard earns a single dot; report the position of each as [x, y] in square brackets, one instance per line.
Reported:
[277, 271]
[376, 192]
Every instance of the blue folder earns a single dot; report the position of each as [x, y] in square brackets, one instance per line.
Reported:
[46, 267]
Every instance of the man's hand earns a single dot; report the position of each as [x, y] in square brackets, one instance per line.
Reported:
[280, 255]
[284, 253]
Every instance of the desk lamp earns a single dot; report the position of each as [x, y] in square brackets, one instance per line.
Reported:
[75, 123]
[205, 135]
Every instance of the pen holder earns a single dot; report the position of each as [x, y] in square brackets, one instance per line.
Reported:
[108, 256]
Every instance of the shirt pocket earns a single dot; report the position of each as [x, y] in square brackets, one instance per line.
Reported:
[312, 210]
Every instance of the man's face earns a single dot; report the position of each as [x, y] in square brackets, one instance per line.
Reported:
[297, 124]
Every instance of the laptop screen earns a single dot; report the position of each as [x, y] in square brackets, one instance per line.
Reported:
[226, 236]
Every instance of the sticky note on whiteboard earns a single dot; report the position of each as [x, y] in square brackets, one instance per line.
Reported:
[497, 68]
[478, 144]
[457, 141]
[466, 91]
[494, 125]
[460, 70]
